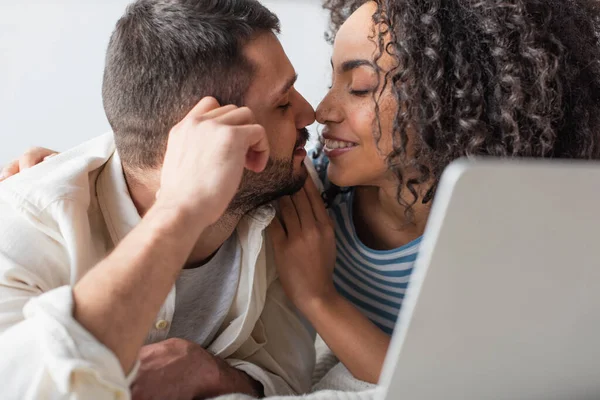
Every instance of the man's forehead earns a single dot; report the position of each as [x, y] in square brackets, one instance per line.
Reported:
[273, 71]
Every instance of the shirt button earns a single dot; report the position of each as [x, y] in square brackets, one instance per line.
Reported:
[162, 324]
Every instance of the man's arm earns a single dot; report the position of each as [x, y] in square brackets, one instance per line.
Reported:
[118, 299]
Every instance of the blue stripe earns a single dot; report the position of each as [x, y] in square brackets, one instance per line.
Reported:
[344, 262]
[352, 240]
[352, 270]
[366, 306]
[384, 328]
[404, 272]
[369, 285]
[365, 293]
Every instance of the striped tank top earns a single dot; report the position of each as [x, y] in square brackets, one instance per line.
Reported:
[374, 281]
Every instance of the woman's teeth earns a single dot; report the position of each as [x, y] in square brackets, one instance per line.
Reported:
[331, 144]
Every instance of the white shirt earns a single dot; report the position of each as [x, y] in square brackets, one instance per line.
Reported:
[203, 295]
[57, 221]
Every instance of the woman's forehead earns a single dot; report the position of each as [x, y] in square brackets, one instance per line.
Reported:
[357, 39]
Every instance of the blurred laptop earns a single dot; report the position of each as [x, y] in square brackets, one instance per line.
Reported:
[504, 302]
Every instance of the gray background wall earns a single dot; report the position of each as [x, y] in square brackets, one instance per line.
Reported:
[52, 57]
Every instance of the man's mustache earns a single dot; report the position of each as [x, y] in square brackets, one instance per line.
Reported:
[303, 137]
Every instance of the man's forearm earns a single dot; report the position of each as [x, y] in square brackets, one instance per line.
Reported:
[118, 299]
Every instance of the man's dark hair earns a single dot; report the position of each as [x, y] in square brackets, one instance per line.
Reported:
[164, 56]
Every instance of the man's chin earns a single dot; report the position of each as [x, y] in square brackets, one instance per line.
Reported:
[260, 189]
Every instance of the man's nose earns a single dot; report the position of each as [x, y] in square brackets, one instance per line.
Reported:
[306, 115]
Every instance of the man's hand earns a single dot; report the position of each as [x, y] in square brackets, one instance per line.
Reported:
[31, 157]
[206, 155]
[177, 369]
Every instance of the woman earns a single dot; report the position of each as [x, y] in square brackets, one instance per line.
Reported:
[417, 84]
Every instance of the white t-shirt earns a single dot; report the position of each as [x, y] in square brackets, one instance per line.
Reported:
[204, 295]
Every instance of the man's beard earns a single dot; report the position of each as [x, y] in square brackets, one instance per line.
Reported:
[275, 181]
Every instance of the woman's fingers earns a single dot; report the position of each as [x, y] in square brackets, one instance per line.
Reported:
[304, 209]
[30, 158]
[289, 216]
[34, 156]
[9, 170]
[316, 202]
[277, 233]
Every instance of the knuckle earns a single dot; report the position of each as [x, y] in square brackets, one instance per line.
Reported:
[176, 128]
[28, 159]
[327, 231]
[210, 125]
[247, 113]
[32, 150]
[171, 342]
[258, 127]
[312, 232]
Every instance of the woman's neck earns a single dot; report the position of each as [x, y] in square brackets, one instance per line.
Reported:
[382, 222]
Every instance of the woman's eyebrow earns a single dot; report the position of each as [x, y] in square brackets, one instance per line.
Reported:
[353, 64]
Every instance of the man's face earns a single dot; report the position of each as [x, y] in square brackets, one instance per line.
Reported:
[284, 114]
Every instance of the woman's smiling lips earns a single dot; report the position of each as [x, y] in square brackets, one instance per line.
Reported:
[335, 147]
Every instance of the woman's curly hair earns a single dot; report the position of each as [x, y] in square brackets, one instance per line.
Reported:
[509, 78]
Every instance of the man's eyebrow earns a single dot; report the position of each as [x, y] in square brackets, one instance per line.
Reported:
[353, 64]
[288, 85]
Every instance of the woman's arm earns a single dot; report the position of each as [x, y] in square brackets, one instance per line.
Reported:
[304, 246]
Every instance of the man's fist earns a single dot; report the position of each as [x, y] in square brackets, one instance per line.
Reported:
[206, 155]
[177, 369]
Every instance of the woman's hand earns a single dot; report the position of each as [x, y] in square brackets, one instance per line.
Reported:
[304, 245]
[30, 158]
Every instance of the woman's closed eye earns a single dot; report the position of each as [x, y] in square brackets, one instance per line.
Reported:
[360, 93]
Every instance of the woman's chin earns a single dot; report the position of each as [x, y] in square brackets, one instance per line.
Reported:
[353, 174]
[342, 177]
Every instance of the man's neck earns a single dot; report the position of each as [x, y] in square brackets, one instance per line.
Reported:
[142, 189]
[212, 239]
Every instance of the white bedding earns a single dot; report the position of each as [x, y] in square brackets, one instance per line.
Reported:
[331, 380]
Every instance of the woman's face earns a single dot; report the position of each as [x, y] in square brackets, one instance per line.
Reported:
[348, 111]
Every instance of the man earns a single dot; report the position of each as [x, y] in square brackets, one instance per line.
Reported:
[93, 241]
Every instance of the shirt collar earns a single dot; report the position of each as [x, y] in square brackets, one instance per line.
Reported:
[116, 204]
